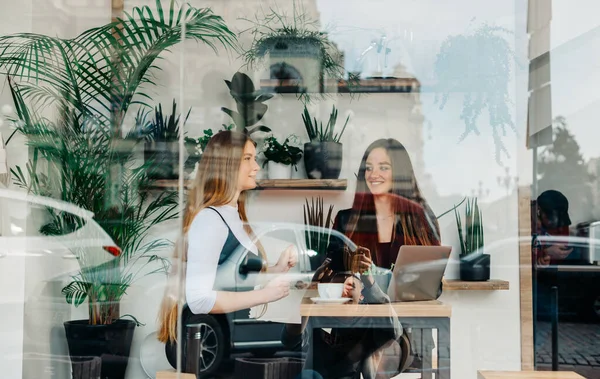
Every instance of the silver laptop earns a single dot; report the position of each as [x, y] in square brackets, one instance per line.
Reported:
[418, 272]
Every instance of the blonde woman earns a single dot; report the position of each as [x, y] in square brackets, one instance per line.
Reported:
[214, 227]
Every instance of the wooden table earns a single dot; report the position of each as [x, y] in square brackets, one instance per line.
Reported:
[528, 375]
[418, 315]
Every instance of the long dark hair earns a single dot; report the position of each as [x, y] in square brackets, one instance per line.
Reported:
[413, 215]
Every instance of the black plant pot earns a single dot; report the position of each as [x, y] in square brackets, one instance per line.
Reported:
[475, 268]
[269, 368]
[111, 343]
[323, 160]
[164, 157]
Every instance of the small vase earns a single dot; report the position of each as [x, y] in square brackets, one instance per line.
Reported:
[279, 170]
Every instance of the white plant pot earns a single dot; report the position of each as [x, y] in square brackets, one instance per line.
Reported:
[279, 171]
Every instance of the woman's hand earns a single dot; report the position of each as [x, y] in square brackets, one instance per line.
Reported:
[323, 274]
[353, 289]
[287, 260]
[362, 261]
[276, 289]
[349, 287]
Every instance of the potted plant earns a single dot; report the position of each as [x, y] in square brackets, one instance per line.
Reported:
[249, 104]
[474, 264]
[195, 147]
[162, 143]
[295, 50]
[90, 82]
[317, 240]
[323, 154]
[281, 157]
[478, 66]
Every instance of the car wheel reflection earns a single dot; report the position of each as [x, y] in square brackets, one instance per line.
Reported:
[213, 345]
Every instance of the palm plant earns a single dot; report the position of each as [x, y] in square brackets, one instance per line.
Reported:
[91, 82]
[472, 240]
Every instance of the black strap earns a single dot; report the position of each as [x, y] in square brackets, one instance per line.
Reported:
[231, 243]
[220, 215]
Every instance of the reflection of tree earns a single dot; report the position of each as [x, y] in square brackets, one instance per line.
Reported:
[562, 167]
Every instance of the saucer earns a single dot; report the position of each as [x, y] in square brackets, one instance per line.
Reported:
[320, 300]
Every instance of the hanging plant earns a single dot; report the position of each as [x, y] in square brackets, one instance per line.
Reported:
[478, 66]
[296, 34]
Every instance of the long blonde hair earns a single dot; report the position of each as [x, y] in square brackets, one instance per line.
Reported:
[216, 184]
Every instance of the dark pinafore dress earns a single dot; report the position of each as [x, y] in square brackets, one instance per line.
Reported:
[187, 317]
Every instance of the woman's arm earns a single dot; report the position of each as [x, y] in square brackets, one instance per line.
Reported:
[227, 302]
[206, 238]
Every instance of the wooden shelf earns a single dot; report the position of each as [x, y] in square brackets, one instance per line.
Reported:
[299, 184]
[383, 85]
[490, 285]
[528, 375]
[273, 184]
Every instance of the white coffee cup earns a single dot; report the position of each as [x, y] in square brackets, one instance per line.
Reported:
[330, 290]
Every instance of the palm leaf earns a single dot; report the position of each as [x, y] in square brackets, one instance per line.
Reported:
[97, 72]
[76, 292]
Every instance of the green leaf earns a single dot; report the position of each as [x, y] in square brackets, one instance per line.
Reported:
[76, 292]
[260, 128]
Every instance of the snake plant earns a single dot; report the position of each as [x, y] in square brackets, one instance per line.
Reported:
[472, 239]
[315, 130]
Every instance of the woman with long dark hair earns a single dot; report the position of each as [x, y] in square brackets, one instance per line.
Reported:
[388, 210]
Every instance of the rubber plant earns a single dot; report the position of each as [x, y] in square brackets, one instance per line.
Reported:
[250, 105]
[92, 82]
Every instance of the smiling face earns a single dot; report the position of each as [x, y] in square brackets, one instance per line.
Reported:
[378, 174]
[248, 168]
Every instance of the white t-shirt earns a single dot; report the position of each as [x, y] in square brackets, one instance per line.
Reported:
[206, 239]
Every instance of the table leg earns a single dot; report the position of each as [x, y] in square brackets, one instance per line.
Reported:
[443, 350]
[426, 356]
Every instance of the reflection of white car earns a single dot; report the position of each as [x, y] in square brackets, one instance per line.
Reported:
[239, 331]
[31, 303]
